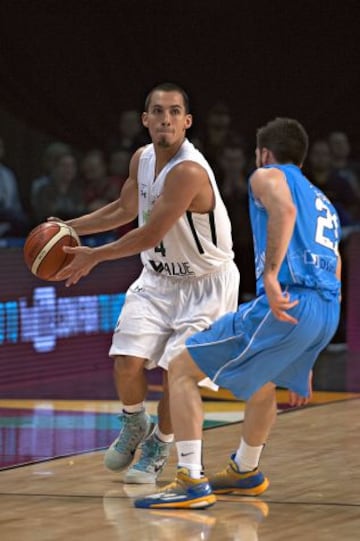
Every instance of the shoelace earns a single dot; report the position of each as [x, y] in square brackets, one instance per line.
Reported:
[132, 437]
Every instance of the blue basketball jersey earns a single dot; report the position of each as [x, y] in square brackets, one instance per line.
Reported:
[311, 257]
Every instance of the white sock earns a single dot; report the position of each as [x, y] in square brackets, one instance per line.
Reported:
[247, 457]
[133, 408]
[166, 438]
[189, 456]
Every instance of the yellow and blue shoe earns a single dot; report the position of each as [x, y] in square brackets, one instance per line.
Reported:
[231, 479]
[184, 492]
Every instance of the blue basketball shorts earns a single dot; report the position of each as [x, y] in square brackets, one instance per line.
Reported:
[244, 350]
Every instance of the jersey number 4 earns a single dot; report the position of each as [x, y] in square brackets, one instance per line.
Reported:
[160, 248]
[328, 221]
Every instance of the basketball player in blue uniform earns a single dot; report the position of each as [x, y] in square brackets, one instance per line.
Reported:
[271, 341]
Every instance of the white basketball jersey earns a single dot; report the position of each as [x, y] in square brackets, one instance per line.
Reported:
[197, 244]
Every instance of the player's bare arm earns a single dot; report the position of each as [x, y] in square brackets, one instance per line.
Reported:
[270, 188]
[119, 212]
[187, 187]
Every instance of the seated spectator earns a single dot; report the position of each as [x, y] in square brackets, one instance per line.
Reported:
[98, 188]
[119, 161]
[340, 154]
[340, 190]
[13, 220]
[130, 133]
[333, 183]
[62, 195]
[232, 177]
[119, 171]
[51, 155]
[217, 131]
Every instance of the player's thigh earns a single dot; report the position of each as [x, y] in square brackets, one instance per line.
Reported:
[142, 329]
[201, 303]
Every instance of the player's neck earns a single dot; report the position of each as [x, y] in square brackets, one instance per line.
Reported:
[164, 155]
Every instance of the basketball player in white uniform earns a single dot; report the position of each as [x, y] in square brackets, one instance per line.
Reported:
[189, 278]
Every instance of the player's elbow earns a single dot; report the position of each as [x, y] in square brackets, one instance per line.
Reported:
[289, 211]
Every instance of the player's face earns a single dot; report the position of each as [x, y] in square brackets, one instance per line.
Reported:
[166, 118]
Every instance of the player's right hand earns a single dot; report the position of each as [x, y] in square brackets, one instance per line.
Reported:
[84, 261]
[279, 301]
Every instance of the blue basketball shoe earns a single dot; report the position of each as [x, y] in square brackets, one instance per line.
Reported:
[231, 479]
[184, 492]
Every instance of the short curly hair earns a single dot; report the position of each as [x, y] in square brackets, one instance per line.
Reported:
[286, 138]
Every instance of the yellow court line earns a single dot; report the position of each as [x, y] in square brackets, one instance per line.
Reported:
[319, 397]
[102, 406]
[113, 406]
[99, 406]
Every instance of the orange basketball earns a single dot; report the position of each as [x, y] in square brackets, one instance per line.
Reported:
[43, 249]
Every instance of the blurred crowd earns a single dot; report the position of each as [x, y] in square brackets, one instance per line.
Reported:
[74, 183]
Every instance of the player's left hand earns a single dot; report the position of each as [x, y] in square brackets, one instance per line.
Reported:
[83, 262]
[279, 302]
[296, 400]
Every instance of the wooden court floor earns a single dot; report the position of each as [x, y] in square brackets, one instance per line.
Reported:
[312, 460]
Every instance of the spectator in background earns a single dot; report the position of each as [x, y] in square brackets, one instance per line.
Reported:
[98, 188]
[130, 133]
[217, 130]
[13, 220]
[52, 153]
[233, 173]
[61, 195]
[340, 153]
[119, 162]
[336, 185]
[339, 189]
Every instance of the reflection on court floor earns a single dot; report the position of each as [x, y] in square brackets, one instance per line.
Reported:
[312, 460]
[32, 431]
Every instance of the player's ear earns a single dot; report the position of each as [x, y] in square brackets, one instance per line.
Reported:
[188, 121]
[144, 118]
[270, 158]
[266, 157]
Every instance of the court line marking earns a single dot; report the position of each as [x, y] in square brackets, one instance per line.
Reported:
[225, 499]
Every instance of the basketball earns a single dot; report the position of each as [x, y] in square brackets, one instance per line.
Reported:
[43, 249]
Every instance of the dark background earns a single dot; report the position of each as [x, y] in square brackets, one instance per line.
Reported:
[68, 68]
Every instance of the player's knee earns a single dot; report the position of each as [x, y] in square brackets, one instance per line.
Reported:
[183, 368]
[267, 393]
[174, 371]
[128, 366]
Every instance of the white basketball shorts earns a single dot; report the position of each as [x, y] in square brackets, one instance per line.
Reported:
[161, 312]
